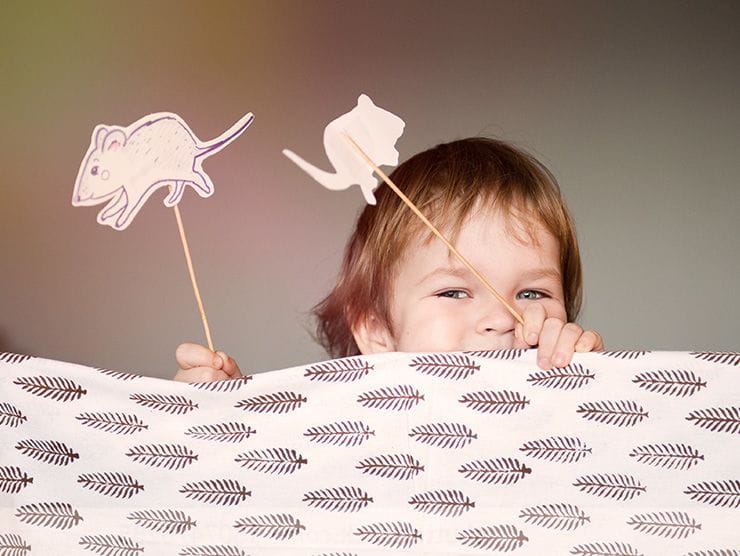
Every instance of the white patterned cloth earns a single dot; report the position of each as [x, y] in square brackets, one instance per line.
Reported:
[620, 453]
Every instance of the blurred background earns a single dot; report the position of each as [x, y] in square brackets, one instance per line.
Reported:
[633, 106]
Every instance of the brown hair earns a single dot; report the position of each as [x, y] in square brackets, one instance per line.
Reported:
[446, 182]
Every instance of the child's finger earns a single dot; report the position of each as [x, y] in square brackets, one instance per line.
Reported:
[547, 341]
[590, 340]
[200, 374]
[229, 367]
[534, 316]
[189, 355]
[563, 352]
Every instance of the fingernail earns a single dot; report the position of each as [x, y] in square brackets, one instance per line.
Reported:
[217, 362]
[532, 338]
[558, 360]
[543, 363]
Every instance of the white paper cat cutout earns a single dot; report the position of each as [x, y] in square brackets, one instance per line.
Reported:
[374, 129]
[126, 165]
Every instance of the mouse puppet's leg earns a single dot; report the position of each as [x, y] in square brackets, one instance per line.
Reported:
[176, 191]
[113, 208]
[201, 183]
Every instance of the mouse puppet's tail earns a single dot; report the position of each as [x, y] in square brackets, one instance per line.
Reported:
[214, 145]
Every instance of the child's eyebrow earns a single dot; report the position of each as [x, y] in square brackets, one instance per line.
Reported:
[537, 273]
[454, 271]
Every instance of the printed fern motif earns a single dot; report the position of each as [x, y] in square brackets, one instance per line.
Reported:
[342, 433]
[163, 521]
[670, 456]
[118, 423]
[560, 449]
[277, 402]
[621, 413]
[13, 479]
[226, 492]
[564, 517]
[445, 365]
[111, 545]
[13, 545]
[718, 493]
[53, 387]
[620, 487]
[340, 499]
[391, 466]
[7, 357]
[501, 403]
[271, 526]
[221, 432]
[228, 385]
[173, 404]
[212, 550]
[59, 515]
[395, 534]
[566, 378]
[446, 503]
[665, 524]
[11, 415]
[280, 461]
[118, 375]
[47, 451]
[397, 398]
[502, 471]
[720, 552]
[717, 419]
[348, 369]
[502, 538]
[729, 357]
[500, 354]
[169, 456]
[118, 485]
[670, 383]
[443, 435]
[605, 549]
[624, 354]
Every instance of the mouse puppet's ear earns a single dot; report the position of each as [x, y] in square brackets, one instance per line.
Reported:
[115, 139]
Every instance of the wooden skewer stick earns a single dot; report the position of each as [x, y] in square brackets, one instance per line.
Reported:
[192, 277]
[436, 232]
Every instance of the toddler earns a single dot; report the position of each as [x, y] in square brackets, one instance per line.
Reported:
[400, 289]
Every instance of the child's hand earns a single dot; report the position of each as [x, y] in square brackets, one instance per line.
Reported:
[557, 339]
[200, 364]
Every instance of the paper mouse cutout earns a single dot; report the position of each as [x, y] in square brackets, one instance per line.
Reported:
[376, 130]
[126, 165]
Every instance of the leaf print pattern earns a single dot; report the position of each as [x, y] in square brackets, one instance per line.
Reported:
[670, 383]
[272, 526]
[340, 499]
[111, 545]
[172, 522]
[279, 402]
[566, 378]
[718, 493]
[228, 385]
[670, 456]
[671, 525]
[445, 503]
[502, 471]
[279, 461]
[624, 354]
[605, 549]
[391, 466]
[721, 552]
[48, 451]
[212, 550]
[58, 515]
[221, 432]
[118, 375]
[561, 449]
[226, 492]
[724, 357]
[344, 433]
[13, 358]
[717, 419]
[118, 423]
[10, 415]
[13, 479]
[347, 369]
[398, 398]
[564, 517]
[502, 538]
[501, 403]
[501, 354]
[169, 456]
[173, 404]
[13, 545]
[53, 387]
[396, 534]
[118, 485]
[443, 435]
[445, 365]
[621, 413]
[617, 486]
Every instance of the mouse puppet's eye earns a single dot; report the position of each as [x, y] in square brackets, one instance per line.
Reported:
[94, 170]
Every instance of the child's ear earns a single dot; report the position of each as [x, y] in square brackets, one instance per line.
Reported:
[372, 336]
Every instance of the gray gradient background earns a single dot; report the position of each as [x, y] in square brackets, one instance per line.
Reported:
[634, 107]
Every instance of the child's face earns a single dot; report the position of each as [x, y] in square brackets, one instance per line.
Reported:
[438, 305]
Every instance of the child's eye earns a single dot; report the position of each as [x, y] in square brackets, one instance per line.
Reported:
[454, 294]
[530, 294]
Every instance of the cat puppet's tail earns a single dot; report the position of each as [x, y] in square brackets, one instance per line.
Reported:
[328, 179]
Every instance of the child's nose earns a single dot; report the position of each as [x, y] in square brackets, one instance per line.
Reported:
[496, 319]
